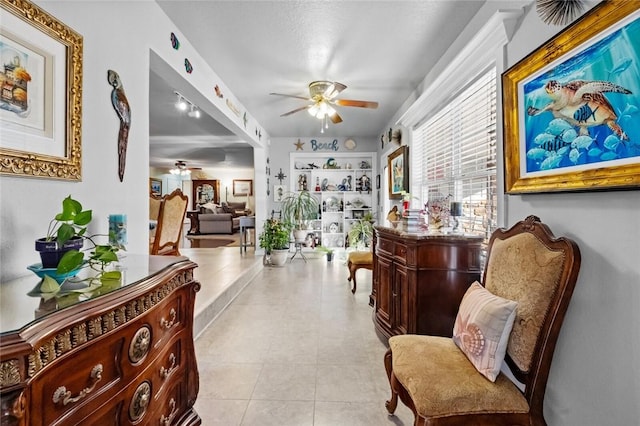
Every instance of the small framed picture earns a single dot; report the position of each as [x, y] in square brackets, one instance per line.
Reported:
[278, 192]
[155, 186]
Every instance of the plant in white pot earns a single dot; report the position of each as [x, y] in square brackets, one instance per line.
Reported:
[274, 239]
[298, 208]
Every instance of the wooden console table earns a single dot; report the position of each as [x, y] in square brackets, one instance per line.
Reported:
[121, 355]
[419, 280]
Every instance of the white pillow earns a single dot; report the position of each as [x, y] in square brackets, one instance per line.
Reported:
[482, 329]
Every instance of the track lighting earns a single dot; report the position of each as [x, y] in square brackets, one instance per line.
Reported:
[183, 104]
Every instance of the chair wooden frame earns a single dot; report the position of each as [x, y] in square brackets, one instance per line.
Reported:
[163, 243]
[535, 379]
[353, 268]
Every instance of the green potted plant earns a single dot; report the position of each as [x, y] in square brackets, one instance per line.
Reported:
[361, 232]
[274, 239]
[297, 208]
[66, 234]
[328, 251]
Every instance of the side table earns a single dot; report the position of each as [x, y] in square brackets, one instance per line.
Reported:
[195, 223]
[246, 223]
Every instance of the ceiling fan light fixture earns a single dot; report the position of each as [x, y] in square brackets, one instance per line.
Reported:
[180, 169]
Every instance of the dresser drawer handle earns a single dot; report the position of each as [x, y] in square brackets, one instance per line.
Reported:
[164, 372]
[168, 419]
[63, 395]
[168, 324]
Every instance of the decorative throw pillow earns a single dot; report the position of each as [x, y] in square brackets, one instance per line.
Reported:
[482, 329]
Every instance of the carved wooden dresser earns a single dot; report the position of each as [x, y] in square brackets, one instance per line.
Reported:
[121, 355]
[419, 280]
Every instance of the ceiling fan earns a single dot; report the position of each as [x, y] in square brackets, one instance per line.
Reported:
[322, 95]
[182, 169]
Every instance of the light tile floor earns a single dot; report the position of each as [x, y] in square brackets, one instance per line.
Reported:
[294, 348]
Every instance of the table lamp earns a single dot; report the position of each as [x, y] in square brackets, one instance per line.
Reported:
[455, 210]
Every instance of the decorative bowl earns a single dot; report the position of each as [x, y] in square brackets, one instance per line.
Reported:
[37, 269]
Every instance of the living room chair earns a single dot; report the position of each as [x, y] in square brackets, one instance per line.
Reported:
[170, 223]
[357, 260]
[529, 279]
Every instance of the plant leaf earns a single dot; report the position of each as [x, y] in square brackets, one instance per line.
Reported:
[65, 232]
[83, 218]
[70, 260]
[49, 285]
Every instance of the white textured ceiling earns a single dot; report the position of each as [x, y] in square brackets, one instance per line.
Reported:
[380, 49]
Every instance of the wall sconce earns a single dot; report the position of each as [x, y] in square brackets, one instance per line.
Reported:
[184, 104]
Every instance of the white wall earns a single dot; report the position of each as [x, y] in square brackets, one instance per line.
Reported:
[117, 36]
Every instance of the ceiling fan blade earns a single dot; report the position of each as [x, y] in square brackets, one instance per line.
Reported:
[335, 118]
[296, 110]
[354, 103]
[291, 96]
[334, 90]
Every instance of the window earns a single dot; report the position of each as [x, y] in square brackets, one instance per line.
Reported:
[454, 154]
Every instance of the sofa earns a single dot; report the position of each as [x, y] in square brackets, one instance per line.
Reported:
[220, 219]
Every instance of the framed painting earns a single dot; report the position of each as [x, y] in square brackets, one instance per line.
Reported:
[242, 187]
[155, 186]
[40, 94]
[398, 166]
[571, 108]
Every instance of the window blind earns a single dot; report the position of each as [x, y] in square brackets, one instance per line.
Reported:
[454, 154]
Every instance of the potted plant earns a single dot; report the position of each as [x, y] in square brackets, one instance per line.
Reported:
[274, 238]
[328, 251]
[361, 232]
[297, 208]
[61, 247]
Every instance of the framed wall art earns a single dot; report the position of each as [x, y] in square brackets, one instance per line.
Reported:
[571, 108]
[242, 187]
[41, 94]
[398, 166]
[278, 192]
[155, 186]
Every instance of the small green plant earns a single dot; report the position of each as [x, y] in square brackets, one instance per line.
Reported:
[298, 207]
[275, 235]
[71, 223]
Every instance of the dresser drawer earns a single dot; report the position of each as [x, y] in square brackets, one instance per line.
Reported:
[82, 378]
[385, 246]
[168, 318]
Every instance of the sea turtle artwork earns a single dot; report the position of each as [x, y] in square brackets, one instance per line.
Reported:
[583, 104]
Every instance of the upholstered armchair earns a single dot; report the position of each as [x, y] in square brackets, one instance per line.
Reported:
[528, 281]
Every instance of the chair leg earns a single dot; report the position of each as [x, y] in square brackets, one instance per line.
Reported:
[352, 275]
[392, 403]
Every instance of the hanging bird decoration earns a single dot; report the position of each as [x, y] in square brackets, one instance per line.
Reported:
[559, 12]
[121, 105]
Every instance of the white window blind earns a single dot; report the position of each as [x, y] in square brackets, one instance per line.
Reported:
[454, 154]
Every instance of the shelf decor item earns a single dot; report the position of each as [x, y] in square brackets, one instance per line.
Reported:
[569, 107]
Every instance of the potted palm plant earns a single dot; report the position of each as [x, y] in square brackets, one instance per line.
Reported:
[297, 208]
[274, 239]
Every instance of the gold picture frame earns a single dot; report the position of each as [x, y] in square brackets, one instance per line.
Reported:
[47, 143]
[398, 171]
[588, 143]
